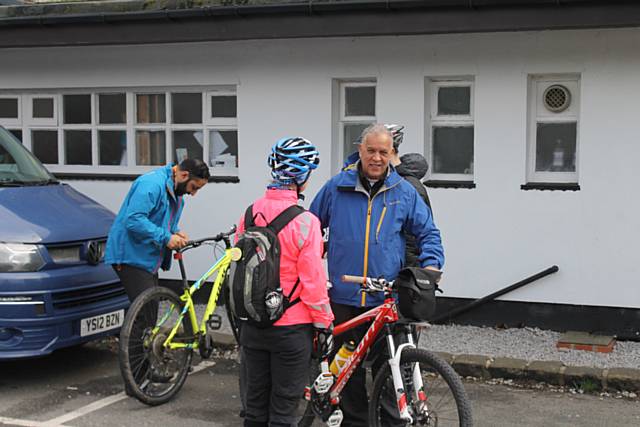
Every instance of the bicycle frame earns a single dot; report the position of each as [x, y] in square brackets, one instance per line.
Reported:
[382, 316]
[221, 266]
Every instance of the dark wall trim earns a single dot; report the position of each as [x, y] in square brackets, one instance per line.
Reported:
[299, 20]
[71, 176]
[550, 186]
[558, 317]
[450, 184]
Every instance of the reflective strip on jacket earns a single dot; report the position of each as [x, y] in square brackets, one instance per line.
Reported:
[300, 257]
[149, 215]
[366, 235]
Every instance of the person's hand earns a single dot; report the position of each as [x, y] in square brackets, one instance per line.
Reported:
[183, 235]
[323, 342]
[176, 242]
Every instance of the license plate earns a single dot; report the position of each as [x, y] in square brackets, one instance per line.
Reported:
[103, 322]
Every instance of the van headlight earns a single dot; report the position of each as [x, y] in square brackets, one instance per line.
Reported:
[19, 257]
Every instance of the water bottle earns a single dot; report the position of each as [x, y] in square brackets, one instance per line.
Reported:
[341, 358]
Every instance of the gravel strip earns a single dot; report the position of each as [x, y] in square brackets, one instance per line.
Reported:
[524, 343]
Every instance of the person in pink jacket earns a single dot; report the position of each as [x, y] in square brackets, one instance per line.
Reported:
[276, 359]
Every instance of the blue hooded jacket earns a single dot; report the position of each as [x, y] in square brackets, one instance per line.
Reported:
[366, 234]
[148, 217]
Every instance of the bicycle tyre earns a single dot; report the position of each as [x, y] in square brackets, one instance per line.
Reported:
[431, 365]
[144, 365]
[233, 321]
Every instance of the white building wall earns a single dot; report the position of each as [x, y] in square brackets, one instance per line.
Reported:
[495, 234]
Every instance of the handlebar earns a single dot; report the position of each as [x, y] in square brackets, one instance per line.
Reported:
[217, 238]
[370, 284]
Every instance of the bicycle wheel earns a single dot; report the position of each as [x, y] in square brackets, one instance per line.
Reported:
[446, 400]
[233, 322]
[152, 373]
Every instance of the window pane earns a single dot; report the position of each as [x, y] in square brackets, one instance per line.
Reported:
[556, 147]
[187, 144]
[113, 108]
[454, 101]
[77, 109]
[453, 150]
[186, 107]
[150, 148]
[42, 108]
[77, 147]
[151, 108]
[17, 133]
[224, 106]
[8, 108]
[112, 147]
[351, 136]
[360, 101]
[44, 145]
[223, 148]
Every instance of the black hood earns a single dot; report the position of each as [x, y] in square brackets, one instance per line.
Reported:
[413, 164]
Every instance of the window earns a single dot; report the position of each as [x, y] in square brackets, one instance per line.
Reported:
[553, 129]
[450, 141]
[357, 110]
[126, 131]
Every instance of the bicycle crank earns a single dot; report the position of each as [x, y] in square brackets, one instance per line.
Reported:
[205, 345]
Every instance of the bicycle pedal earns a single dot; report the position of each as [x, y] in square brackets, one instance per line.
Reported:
[214, 322]
[335, 419]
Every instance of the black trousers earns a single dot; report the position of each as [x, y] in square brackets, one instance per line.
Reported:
[354, 400]
[135, 280]
[276, 360]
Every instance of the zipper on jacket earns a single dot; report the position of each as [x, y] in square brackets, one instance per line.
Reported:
[366, 238]
[366, 247]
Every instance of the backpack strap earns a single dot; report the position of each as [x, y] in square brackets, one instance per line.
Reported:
[285, 218]
[290, 303]
[248, 217]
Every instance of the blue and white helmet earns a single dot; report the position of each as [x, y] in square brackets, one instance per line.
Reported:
[292, 159]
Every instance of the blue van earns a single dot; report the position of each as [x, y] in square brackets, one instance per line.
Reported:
[55, 289]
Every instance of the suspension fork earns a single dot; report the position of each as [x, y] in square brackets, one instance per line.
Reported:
[398, 384]
[418, 385]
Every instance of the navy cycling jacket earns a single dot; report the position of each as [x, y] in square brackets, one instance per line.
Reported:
[366, 234]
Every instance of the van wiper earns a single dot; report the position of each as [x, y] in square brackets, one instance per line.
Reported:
[6, 182]
[49, 181]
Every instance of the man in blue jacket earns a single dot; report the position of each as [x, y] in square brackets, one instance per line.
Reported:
[146, 229]
[367, 208]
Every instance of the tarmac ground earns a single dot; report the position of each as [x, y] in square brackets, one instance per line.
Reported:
[82, 387]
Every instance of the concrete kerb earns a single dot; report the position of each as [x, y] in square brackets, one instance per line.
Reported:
[550, 372]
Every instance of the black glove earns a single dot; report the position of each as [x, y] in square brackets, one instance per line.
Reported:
[323, 342]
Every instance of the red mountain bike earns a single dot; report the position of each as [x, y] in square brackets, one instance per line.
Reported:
[425, 388]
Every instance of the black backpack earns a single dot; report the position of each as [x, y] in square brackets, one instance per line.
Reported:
[254, 280]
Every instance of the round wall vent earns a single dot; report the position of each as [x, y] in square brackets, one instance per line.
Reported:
[557, 98]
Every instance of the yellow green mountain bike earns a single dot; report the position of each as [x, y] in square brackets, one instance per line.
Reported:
[161, 330]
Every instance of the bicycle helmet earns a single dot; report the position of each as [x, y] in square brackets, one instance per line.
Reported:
[292, 159]
[397, 134]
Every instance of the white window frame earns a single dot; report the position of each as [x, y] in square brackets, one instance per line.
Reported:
[538, 114]
[13, 123]
[343, 119]
[27, 123]
[435, 120]
[41, 121]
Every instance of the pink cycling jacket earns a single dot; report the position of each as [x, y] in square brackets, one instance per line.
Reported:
[301, 257]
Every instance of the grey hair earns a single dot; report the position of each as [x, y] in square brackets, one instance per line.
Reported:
[375, 129]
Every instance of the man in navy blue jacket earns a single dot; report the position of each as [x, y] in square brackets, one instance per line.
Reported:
[366, 208]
